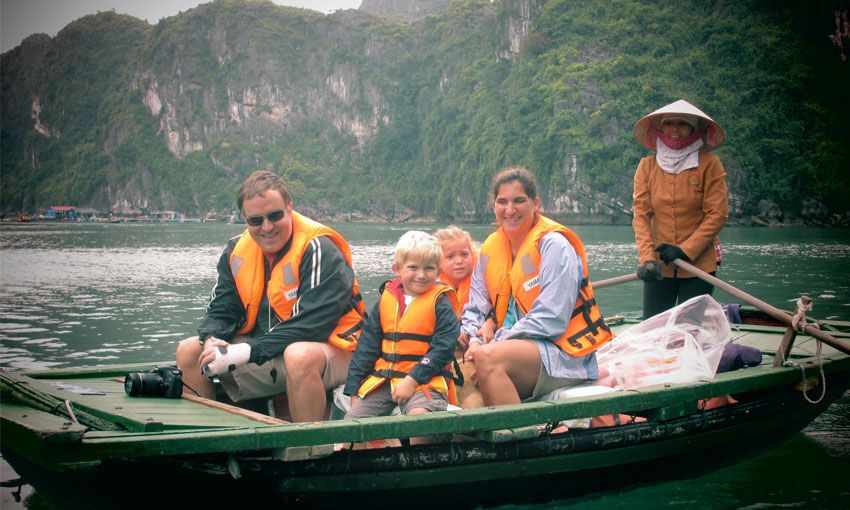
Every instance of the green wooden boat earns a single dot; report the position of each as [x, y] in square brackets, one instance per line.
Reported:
[74, 434]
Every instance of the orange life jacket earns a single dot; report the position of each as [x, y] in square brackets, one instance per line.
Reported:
[586, 330]
[247, 266]
[462, 290]
[406, 340]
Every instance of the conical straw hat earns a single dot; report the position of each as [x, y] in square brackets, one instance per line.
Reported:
[644, 132]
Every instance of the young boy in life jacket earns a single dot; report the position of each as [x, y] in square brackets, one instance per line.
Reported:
[408, 341]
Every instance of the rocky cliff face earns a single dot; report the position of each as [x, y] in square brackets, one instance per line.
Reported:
[403, 10]
[203, 83]
[55, 97]
[398, 110]
[254, 89]
[520, 22]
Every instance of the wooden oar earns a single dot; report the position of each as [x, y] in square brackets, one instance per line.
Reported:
[615, 281]
[774, 312]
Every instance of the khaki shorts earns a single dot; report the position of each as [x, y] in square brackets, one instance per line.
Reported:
[380, 403]
[547, 384]
[257, 381]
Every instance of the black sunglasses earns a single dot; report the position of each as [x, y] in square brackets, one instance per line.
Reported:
[256, 221]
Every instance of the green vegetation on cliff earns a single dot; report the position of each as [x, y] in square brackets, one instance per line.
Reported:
[366, 115]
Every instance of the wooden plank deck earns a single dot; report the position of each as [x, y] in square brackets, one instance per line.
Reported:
[105, 398]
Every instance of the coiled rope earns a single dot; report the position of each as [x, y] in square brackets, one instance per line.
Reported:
[798, 322]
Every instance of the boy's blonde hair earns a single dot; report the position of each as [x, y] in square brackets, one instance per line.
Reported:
[454, 233]
[415, 244]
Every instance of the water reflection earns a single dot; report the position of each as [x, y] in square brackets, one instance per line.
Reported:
[129, 296]
[75, 294]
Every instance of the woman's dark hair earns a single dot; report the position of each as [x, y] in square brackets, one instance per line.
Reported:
[515, 173]
[258, 183]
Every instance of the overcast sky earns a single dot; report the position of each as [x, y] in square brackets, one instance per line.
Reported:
[21, 18]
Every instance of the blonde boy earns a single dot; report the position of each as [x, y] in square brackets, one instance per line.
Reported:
[409, 338]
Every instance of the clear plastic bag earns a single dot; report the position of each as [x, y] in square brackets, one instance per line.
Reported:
[683, 344]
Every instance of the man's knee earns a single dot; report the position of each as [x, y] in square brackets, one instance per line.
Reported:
[304, 358]
[188, 351]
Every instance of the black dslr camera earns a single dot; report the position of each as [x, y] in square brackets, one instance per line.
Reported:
[160, 382]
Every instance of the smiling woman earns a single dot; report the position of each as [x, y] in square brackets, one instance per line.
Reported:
[680, 203]
[531, 277]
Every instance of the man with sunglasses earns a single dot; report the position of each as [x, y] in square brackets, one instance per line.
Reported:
[285, 313]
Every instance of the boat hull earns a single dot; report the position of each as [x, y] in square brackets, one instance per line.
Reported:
[76, 437]
[471, 473]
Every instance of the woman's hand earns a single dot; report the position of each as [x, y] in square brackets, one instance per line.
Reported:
[463, 340]
[404, 390]
[669, 253]
[485, 334]
[470, 353]
[649, 271]
[487, 331]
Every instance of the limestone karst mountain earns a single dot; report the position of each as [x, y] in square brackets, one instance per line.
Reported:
[385, 113]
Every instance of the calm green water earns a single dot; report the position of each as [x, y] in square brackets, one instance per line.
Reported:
[88, 293]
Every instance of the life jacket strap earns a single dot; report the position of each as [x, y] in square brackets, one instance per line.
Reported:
[348, 334]
[395, 357]
[395, 336]
[457, 376]
[584, 307]
[355, 304]
[593, 328]
[389, 374]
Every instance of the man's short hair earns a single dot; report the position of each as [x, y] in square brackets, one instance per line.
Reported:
[415, 244]
[258, 183]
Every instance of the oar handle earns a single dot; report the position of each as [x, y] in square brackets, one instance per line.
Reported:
[774, 312]
[601, 284]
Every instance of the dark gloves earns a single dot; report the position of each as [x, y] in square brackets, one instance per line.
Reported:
[669, 253]
[649, 271]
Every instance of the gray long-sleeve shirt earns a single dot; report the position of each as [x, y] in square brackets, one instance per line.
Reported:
[560, 277]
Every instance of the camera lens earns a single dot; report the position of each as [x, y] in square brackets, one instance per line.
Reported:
[142, 384]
